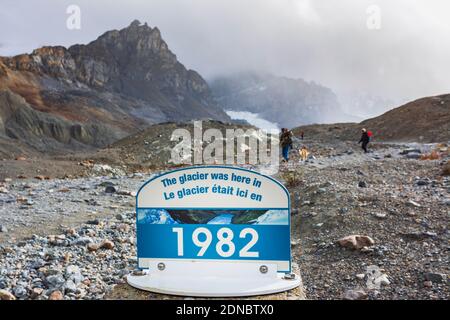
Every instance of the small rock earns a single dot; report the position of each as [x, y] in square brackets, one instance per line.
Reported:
[70, 286]
[127, 193]
[20, 291]
[56, 295]
[6, 295]
[123, 227]
[107, 244]
[73, 273]
[408, 151]
[375, 278]
[413, 156]
[417, 235]
[413, 203]
[82, 241]
[380, 215]
[3, 228]
[92, 247]
[95, 222]
[422, 183]
[37, 292]
[71, 232]
[357, 294]
[110, 189]
[56, 281]
[356, 241]
[362, 184]
[435, 277]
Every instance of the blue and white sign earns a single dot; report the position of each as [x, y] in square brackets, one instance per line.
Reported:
[214, 213]
[215, 219]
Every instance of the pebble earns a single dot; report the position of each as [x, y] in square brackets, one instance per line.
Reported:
[435, 277]
[56, 295]
[55, 281]
[413, 203]
[380, 215]
[73, 273]
[358, 294]
[110, 189]
[6, 295]
[413, 156]
[376, 278]
[422, 183]
[356, 241]
[362, 184]
[92, 247]
[20, 291]
[107, 244]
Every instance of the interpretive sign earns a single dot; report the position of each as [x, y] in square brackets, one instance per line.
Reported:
[216, 219]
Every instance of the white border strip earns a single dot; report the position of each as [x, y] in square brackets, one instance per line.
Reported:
[283, 266]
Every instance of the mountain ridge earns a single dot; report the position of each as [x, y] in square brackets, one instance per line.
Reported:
[425, 120]
[126, 80]
[286, 101]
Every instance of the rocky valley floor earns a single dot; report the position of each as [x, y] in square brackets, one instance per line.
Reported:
[74, 238]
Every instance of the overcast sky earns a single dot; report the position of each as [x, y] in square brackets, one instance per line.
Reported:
[325, 41]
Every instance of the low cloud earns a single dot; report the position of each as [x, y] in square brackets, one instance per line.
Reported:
[321, 40]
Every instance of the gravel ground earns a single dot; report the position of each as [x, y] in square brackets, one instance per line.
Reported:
[401, 204]
[74, 238]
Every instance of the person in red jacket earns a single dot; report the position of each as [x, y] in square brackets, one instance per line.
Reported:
[365, 139]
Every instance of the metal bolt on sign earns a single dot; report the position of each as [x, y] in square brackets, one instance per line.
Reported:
[161, 266]
[263, 269]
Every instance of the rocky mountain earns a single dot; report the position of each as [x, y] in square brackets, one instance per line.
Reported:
[91, 95]
[288, 102]
[423, 120]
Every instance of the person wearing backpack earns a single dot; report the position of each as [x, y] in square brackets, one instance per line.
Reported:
[365, 139]
[286, 143]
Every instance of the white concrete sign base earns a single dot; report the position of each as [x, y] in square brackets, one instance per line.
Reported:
[206, 279]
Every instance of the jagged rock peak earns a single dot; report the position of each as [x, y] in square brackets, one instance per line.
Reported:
[135, 23]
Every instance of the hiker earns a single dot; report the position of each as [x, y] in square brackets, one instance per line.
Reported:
[286, 143]
[302, 134]
[304, 153]
[365, 139]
